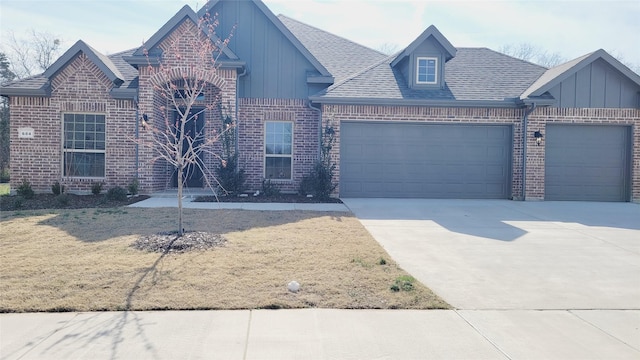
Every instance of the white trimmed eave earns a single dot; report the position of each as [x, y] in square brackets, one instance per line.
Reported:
[506, 103]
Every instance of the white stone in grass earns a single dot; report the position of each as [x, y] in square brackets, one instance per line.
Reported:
[293, 286]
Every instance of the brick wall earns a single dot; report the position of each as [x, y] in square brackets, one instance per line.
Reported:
[79, 88]
[334, 114]
[182, 59]
[543, 116]
[252, 115]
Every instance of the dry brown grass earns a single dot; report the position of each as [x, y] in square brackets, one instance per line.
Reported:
[82, 260]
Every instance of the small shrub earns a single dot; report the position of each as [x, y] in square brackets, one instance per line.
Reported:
[17, 204]
[320, 181]
[231, 178]
[5, 176]
[63, 199]
[57, 188]
[96, 188]
[117, 194]
[382, 261]
[269, 188]
[25, 189]
[133, 186]
[404, 283]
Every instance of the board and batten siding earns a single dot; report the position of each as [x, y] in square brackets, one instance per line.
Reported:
[597, 85]
[275, 67]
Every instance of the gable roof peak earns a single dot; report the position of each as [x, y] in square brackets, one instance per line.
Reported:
[101, 61]
[186, 12]
[559, 73]
[431, 31]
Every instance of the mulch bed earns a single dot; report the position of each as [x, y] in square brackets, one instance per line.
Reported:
[279, 198]
[65, 201]
[169, 242]
[72, 201]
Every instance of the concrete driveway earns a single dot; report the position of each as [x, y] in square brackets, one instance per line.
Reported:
[538, 280]
[500, 254]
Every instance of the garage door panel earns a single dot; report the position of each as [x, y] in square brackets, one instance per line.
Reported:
[587, 162]
[421, 160]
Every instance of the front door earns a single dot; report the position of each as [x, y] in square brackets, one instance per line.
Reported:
[195, 125]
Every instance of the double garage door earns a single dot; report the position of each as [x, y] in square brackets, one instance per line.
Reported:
[588, 162]
[409, 160]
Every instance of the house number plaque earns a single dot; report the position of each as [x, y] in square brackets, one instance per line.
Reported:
[25, 133]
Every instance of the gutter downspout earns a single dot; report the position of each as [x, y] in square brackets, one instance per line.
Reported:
[137, 122]
[319, 111]
[525, 121]
[237, 133]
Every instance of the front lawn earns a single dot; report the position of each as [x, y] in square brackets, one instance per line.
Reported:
[82, 260]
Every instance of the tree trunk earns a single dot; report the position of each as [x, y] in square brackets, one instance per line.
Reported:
[180, 184]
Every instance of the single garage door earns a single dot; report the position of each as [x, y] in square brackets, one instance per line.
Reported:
[406, 160]
[587, 162]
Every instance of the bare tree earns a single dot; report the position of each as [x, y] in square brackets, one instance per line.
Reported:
[635, 67]
[194, 56]
[387, 48]
[5, 75]
[532, 53]
[33, 53]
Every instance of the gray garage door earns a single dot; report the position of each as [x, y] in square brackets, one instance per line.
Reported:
[425, 161]
[589, 163]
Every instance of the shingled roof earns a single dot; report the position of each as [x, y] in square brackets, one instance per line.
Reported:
[123, 75]
[484, 74]
[474, 75]
[340, 56]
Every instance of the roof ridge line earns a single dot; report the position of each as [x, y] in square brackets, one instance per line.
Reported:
[122, 52]
[516, 58]
[330, 33]
[362, 71]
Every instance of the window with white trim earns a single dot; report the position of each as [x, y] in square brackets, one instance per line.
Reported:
[278, 150]
[84, 145]
[426, 70]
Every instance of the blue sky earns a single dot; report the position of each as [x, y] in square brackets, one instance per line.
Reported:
[569, 27]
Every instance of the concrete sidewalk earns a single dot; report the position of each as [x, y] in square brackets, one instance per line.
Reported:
[318, 334]
[188, 203]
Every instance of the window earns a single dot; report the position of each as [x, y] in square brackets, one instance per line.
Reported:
[278, 148]
[84, 145]
[427, 70]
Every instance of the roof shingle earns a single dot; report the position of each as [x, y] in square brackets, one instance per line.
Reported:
[340, 56]
[475, 74]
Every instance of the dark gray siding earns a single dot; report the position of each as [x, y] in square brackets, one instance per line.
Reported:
[276, 68]
[597, 85]
[587, 162]
[429, 48]
[405, 160]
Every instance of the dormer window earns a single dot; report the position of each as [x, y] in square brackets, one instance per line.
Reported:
[427, 70]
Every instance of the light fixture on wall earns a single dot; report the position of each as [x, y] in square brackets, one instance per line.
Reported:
[144, 121]
[538, 136]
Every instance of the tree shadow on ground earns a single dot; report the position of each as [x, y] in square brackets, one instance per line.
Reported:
[94, 225]
[493, 219]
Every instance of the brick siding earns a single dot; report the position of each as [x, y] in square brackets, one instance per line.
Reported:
[252, 115]
[79, 88]
[543, 116]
